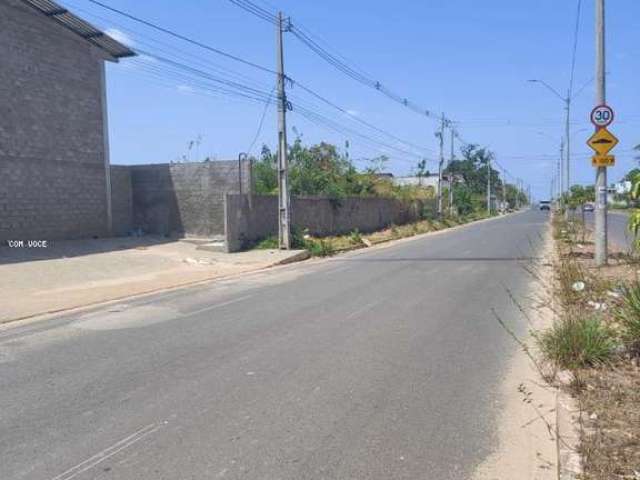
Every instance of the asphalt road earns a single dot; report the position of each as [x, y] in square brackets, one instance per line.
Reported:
[380, 364]
[619, 236]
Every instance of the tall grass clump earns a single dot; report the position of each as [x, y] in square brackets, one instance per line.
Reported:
[627, 315]
[569, 272]
[577, 341]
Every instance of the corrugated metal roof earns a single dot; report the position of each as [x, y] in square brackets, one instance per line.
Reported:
[80, 27]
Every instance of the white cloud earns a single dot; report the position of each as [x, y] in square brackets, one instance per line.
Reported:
[120, 36]
[186, 89]
[353, 113]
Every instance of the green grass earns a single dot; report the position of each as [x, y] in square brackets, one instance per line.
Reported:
[319, 248]
[269, 243]
[577, 341]
[628, 317]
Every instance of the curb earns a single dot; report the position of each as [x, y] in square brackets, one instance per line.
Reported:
[568, 437]
[8, 323]
[299, 257]
[394, 241]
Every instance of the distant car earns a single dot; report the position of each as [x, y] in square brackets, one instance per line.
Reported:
[544, 205]
[588, 207]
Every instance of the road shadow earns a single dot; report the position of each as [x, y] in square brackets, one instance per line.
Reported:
[57, 249]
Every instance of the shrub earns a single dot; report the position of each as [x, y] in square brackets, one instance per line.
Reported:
[355, 237]
[319, 248]
[268, 243]
[577, 342]
[628, 316]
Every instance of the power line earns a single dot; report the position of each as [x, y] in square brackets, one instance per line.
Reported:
[264, 114]
[186, 73]
[356, 118]
[245, 4]
[337, 61]
[256, 10]
[228, 83]
[575, 49]
[182, 37]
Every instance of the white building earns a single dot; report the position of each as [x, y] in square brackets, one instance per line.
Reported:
[423, 181]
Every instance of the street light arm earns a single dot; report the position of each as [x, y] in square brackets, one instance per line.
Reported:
[551, 89]
[581, 89]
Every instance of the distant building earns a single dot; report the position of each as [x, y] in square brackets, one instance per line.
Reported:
[385, 175]
[426, 181]
[54, 154]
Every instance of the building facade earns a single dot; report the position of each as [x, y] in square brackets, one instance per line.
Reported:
[54, 155]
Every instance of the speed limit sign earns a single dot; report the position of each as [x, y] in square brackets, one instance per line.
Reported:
[602, 116]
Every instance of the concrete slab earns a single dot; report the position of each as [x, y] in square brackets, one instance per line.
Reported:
[74, 274]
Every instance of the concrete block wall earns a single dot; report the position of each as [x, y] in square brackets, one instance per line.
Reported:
[184, 199]
[52, 148]
[121, 200]
[321, 216]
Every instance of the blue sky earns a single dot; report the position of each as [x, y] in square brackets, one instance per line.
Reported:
[468, 59]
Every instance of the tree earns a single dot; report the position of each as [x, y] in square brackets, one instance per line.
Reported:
[315, 170]
[421, 169]
[377, 164]
[579, 195]
[473, 169]
[265, 173]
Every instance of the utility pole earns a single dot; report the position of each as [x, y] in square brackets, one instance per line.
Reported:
[567, 162]
[561, 173]
[601, 175]
[505, 205]
[451, 173]
[440, 135]
[284, 218]
[489, 186]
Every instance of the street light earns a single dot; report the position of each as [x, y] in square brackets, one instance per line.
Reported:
[559, 177]
[567, 101]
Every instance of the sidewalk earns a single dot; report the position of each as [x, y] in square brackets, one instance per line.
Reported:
[78, 273]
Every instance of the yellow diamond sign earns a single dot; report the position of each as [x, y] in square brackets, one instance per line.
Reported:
[602, 141]
[603, 160]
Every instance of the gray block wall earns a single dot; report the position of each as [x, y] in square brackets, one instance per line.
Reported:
[178, 199]
[121, 200]
[52, 145]
[320, 216]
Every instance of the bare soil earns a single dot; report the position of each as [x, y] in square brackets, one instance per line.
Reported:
[611, 438]
[609, 395]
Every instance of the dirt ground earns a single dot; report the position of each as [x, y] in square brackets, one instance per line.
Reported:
[608, 395]
[611, 440]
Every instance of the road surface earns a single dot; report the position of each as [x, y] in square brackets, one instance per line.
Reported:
[619, 236]
[379, 364]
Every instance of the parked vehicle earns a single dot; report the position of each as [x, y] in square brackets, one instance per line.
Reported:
[588, 207]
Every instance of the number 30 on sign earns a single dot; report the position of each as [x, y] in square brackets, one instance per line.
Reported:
[602, 116]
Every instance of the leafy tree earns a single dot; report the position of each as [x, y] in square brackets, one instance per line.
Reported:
[514, 196]
[315, 170]
[634, 218]
[377, 164]
[421, 169]
[579, 195]
[473, 169]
